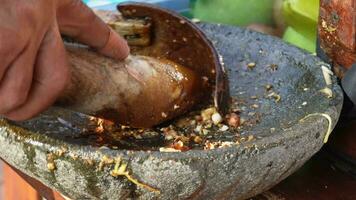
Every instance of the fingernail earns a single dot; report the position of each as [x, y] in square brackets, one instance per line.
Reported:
[116, 47]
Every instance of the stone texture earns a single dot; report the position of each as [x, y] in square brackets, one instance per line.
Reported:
[283, 144]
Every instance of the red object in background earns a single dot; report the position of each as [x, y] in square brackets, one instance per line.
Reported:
[337, 37]
[18, 186]
[337, 32]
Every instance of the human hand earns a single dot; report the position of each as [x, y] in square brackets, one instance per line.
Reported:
[33, 68]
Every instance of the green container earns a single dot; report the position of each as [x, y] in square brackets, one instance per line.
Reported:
[301, 17]
[234, 12]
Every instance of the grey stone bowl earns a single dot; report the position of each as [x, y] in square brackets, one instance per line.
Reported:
[285, 138]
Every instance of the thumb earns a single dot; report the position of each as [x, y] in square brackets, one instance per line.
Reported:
[78, 21]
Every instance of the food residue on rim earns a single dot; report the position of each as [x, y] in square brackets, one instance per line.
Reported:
[121, 169]
[51, 165]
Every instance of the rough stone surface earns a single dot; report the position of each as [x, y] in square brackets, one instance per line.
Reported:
[283, 143]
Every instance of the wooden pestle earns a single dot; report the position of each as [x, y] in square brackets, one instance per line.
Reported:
[177, 68]
[140, 91]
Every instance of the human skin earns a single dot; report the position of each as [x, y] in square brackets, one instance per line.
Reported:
[34, 69]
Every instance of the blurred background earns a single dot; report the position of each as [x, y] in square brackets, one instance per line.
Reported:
[293, 20]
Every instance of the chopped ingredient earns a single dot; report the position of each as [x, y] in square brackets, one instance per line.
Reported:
[179, 145]
[255, 106]
[251, 65]
[168, 149]
[224, 128]
[214, 145]
[216, 118]
[205, 131]
[207, 113]
[209, 145]
[198, 129]
[198, 139]
[274, 67]
[327, 92]
[233, 120]
[269, 87]
[226, 144]
[181, 135]
[327, 73]
[198, 118]
[250, 138]
[100, 127]
[51, 166]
